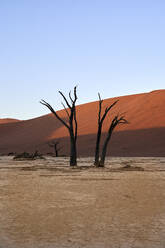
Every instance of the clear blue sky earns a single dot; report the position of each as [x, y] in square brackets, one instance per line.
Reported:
[115, 47]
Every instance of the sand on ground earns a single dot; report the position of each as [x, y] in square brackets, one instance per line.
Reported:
[46, 204]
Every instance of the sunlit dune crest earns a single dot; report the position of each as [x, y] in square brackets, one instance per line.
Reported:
[7, 120]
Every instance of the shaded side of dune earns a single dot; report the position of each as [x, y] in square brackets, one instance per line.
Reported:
[133, 143]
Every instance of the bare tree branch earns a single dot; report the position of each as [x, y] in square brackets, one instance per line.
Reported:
[108, 109]
[75, 94]
[100, 107]
[54, 112]
[65, 99]
[65, 109]
[100, 97]
[70, 97]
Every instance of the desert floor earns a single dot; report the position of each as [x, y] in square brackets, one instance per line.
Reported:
[46, 204]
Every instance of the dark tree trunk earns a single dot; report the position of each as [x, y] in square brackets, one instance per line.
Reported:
[97, 149]
[73, 151]
[104, 150]
[56, 150]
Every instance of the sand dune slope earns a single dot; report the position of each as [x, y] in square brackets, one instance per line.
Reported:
[143, 136]
[7, 120]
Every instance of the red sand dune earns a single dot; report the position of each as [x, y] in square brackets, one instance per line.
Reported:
[143, 136]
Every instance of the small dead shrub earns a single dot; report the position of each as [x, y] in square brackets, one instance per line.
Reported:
[28, 156]
[11, 154]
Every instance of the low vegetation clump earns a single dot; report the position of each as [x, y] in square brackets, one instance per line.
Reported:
[28, 156]
[11, 154]
[128, 167]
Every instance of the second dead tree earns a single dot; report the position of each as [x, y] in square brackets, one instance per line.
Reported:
[116, 121]
[99, 162]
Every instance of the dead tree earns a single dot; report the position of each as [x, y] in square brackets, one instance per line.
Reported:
[100, 124]
[71, 124]
[99, 162]
[55, 144]
[115, 122]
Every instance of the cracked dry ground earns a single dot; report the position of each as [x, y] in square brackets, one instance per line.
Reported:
[46, 204]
